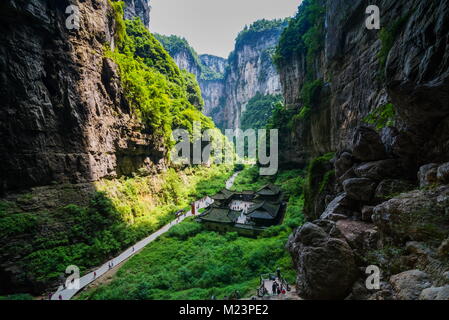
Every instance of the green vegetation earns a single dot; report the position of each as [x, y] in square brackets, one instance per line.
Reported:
[157, 91]
[253, 32]
[303, 35]
[258, 111]
[175, 45]
[118, 8]
[281, 119]
[191, 263]
[20, 296]
[310, 91]
[121, 213]
[319, 174]
[381, 117]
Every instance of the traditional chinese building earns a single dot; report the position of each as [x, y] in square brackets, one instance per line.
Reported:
[247, 212]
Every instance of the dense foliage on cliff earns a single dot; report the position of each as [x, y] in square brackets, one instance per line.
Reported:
[304, 33]
[192, 263]
[258, 111]
[176, 45]
[163, 96]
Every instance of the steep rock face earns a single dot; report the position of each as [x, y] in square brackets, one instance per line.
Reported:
[228, 84]
[378, 166]
[63, 117]
[414, 78]
[216, 64]
[251, 71]
[138, 8]
[208, 69]
[213, 90]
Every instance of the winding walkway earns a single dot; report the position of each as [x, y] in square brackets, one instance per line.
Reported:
[67, 294]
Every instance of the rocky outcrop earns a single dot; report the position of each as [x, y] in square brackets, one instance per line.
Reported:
[408, 285]
[390, 167]
[324, 261]
[375, 208]
[138, 8]
[63, 117]
[413, 76]
[229, 84]
[251, 71]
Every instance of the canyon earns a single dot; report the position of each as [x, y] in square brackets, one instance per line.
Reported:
[365, 119]
[227, 85]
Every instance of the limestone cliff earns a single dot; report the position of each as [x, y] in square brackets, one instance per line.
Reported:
[250, 71]
[140, 9]
[228, 84]
[362, 70]
[63, 117]
[376, 102]
[209, 70]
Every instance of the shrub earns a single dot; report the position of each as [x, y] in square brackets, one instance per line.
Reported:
[381, 117]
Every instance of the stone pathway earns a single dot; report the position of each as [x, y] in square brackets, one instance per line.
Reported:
[67, 293]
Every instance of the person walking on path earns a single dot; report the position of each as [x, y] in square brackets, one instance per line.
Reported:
[274, 288]
[60, 297]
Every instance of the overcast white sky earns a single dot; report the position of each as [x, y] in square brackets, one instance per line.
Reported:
[211, 26]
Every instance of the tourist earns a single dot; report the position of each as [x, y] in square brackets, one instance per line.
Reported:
[275, 288]
[95, 275]
[60, 297]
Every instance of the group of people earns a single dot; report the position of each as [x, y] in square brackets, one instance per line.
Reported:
[276, 288]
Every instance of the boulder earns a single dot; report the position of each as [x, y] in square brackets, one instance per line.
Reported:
[367, 213]
[443, 173]
[417, 248]
[440, 293]
[398, 143]
[418, 215]
[387, 189]
[350, 174]
[360, 189]
[339, 208]
[360, 236]
[367, 145]
[343, 164]
[409, 285]
[443, 249]
[379, 170]
[325, 263]
[427, 175]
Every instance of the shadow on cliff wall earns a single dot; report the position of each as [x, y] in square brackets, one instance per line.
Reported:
[63, 125]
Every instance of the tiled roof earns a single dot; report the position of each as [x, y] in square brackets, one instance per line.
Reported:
[223, 195]
[269, 190]
[264, 210]
[219, 215]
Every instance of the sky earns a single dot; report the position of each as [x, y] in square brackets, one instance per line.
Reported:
[211, 26]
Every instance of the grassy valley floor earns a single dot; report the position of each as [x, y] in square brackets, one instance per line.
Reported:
[192, 263]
